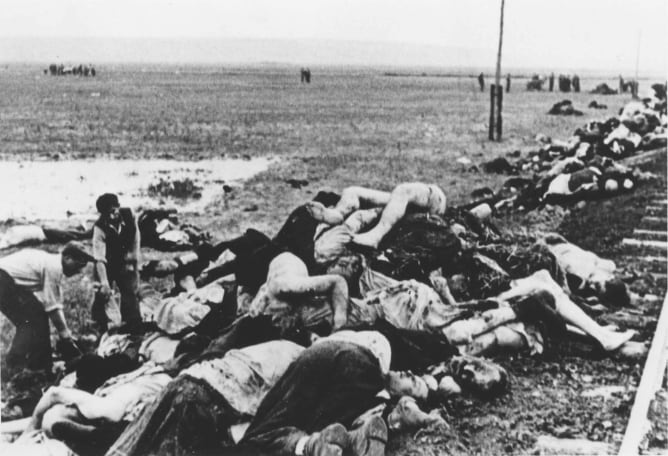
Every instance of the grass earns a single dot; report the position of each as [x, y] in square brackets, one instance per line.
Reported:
[347, 127]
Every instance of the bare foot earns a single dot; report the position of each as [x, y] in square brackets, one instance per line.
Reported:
[632, 350]
[616, 340]
[324, 214]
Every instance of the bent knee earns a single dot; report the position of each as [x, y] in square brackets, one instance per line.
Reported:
[57, 414]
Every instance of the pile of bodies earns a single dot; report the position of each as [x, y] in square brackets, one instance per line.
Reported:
[588, 164]
[159, 229]
[364, 311]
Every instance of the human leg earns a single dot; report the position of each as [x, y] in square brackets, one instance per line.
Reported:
[127, 284]
[427, 197]
[360, 219]
[31, 346]
[567, 309]
[351, 200]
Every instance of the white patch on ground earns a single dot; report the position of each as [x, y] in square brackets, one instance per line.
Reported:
[48, 190]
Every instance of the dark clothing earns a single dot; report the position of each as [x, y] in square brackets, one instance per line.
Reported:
[58, 236]
[118, 243]
[330, 382]
[117, 246]
[417, 245]
[296, 234]
[412, 350]
[251, 248]
[189, 417]
[243, 332]
[126, 281]
[31, 346]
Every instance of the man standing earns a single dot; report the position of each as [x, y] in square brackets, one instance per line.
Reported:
[116, 243]
[30, 295]
[551, 82]
[481, 82]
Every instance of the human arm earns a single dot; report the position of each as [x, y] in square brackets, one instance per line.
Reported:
[135, 250]
[100, 255]
[92, 407]
[57, 317]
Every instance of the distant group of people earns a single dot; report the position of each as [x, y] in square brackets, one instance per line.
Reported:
[565, 83]
[305, 75]
[75, 70]
[481, 82]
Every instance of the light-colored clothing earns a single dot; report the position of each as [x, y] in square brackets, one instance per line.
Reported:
[38, 271]
[135, 389]
[186, 310]
[371, 340]
[243, 377]
[409, 305]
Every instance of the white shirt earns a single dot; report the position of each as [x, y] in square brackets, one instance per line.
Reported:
[38, 271]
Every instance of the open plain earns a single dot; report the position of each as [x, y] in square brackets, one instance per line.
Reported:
[356, 126]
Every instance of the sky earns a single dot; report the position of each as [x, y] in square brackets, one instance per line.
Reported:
[596, 34]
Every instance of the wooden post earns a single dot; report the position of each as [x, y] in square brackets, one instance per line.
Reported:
[496, 90]
[492, 115]
[499, 106]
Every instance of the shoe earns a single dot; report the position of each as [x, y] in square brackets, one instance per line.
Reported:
[369, 439]
[331, 441]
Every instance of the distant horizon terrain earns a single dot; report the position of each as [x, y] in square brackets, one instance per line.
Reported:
[450, 60]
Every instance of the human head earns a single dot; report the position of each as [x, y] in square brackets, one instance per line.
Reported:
[478, 375]
[107, 205]
[407, 415]
[74, 257]
[615, 293]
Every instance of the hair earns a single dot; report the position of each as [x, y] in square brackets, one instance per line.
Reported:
[106, 202]
[77, 252]
[616, 293]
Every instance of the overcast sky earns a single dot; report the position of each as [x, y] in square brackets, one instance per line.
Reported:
[598, 34]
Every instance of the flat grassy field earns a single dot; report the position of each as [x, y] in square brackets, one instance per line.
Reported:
[348, 127]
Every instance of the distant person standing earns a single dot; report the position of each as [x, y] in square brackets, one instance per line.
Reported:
[508, 83]
[30, 296]
[308, 75]
[481, 82]
[551, 82]
[116, 242]
[576, 83]
[622, 86]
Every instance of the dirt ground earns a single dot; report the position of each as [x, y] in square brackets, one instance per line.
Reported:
[355, 126]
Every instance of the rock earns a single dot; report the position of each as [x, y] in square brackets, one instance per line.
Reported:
[548, 445]
[251, 208]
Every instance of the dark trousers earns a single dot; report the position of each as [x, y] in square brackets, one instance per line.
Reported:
[188, 418]
[330, 382]
[126, 281]
[31, 346]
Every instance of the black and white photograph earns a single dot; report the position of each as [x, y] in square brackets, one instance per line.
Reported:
[333, 227]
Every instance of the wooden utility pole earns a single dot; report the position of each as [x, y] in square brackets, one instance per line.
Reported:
[496, 91]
